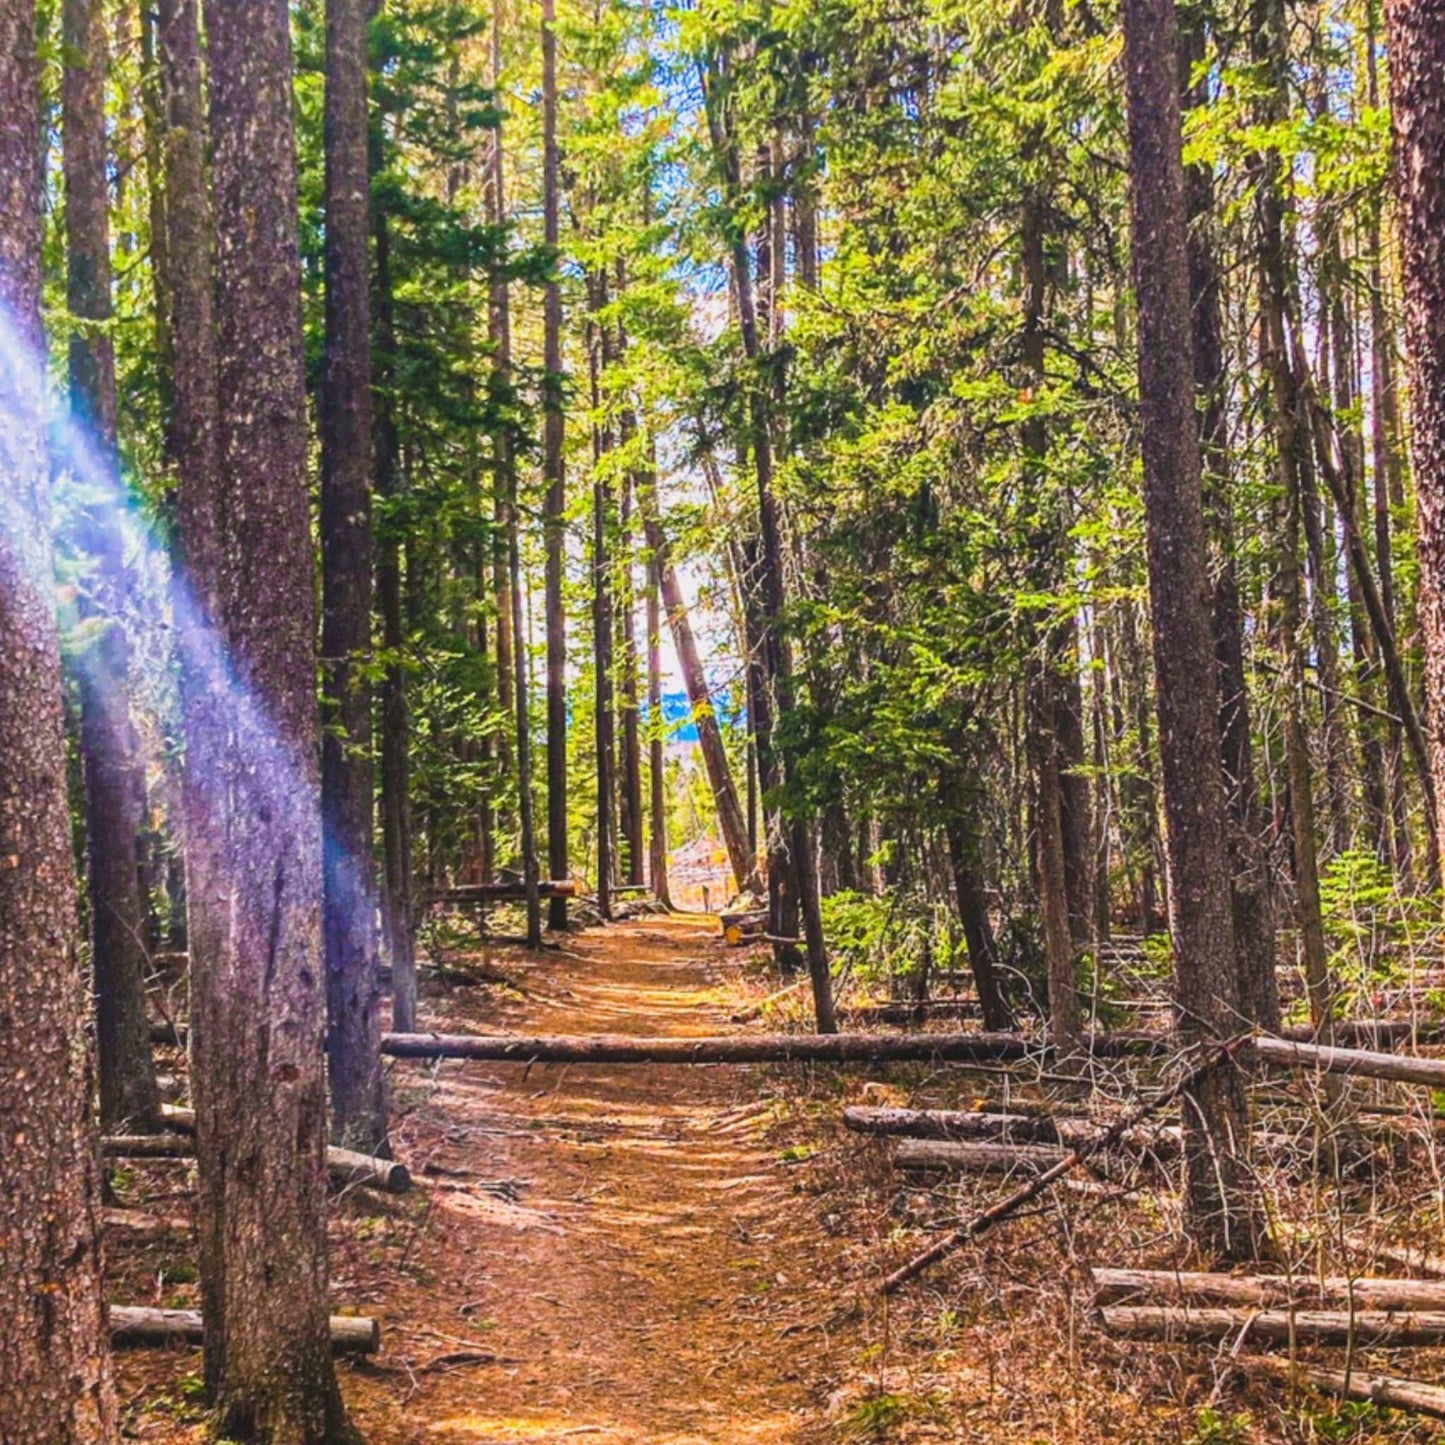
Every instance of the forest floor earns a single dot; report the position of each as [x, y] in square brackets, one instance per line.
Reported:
[688, 1255]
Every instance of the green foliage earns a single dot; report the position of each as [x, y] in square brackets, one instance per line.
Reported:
[1375, 929]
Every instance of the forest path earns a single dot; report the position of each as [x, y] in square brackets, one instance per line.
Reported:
[655, 1281]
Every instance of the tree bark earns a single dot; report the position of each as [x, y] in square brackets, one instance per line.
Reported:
[656, 732]
[730, 819]
[977, 931]
[114, 777]
[254, 839]
[55, 1383]
[555, 502]
[353, 993]
[1219, 1199]
[1415, 30]
[1250, 891]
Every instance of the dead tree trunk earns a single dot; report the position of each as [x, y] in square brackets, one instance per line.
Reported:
[55, 1385]
[1219, 1201]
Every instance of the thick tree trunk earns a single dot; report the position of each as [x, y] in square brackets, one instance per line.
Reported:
[114, 778]
[254, 836]
[1250, 881]
[1415, 30]
[555, 502]
[353, 993]
[55, 1386]
[1219, 1202]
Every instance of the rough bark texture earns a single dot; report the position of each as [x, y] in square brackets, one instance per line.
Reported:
[1250, 881]
[55, 1384]
[254, 840]
[977, 930]
[395, 717]
[114, 782]
[555, 502]
[1416, 33]
[656, 739]
[1219, 1208]
[353, 995]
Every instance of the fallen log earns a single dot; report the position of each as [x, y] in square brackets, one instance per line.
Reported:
[758, 1009]
[344, 1166]
[1372, 1033]
[142, 1226]
[500, 892]
[1360, 1063]
[1116, 1286]
[133, 1325]
[1277, 1327]
[1356, 1384]
[957, 1157]
[749, 1048]
[1009, 1128]
[985, 1220]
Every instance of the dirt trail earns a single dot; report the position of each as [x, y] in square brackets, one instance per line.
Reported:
[657, 1279]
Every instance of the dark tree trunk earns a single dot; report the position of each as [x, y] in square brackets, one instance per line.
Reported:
[963, 851]
[1415, 30]
[1250, 881]
[630, 785]
[1219, 1202]
[514, 693]
[395, 716]
[254, 828]
[353, 993]
[55, 1386]
[555, 503]
[114, 778]
[602, 519]
[1291, 456]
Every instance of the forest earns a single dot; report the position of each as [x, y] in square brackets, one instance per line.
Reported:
[723, 722]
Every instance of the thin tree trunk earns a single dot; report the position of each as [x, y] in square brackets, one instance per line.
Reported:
[353, 992]
[602, 507]
[656, 725]
[114, 777]
[1219, 1200]
[257, 994]
[710, 740]
[983, 961]
[630, 791]
[558, 862]
[55, 1382]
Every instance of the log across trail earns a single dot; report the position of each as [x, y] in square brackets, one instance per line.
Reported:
[750, 1048]
[134, 1325]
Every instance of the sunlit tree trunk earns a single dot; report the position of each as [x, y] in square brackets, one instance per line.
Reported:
[55, 1385]
[1219, 1199]
[254, 835]
[114, 775]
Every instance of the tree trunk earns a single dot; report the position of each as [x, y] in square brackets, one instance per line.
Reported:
[1291, 453]
[602, 510]
[114, 777]
[710, 740]
[254, 838]
[656, 725]
[353, 993]
[555, 504]
[1220, 1207]
[1253, 905]
[395, 719]
[509, 585]
[1415, 31]
[630, 789]
[55, 1385]
[977, 930]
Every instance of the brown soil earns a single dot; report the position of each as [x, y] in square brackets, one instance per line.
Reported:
[627, 1245]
